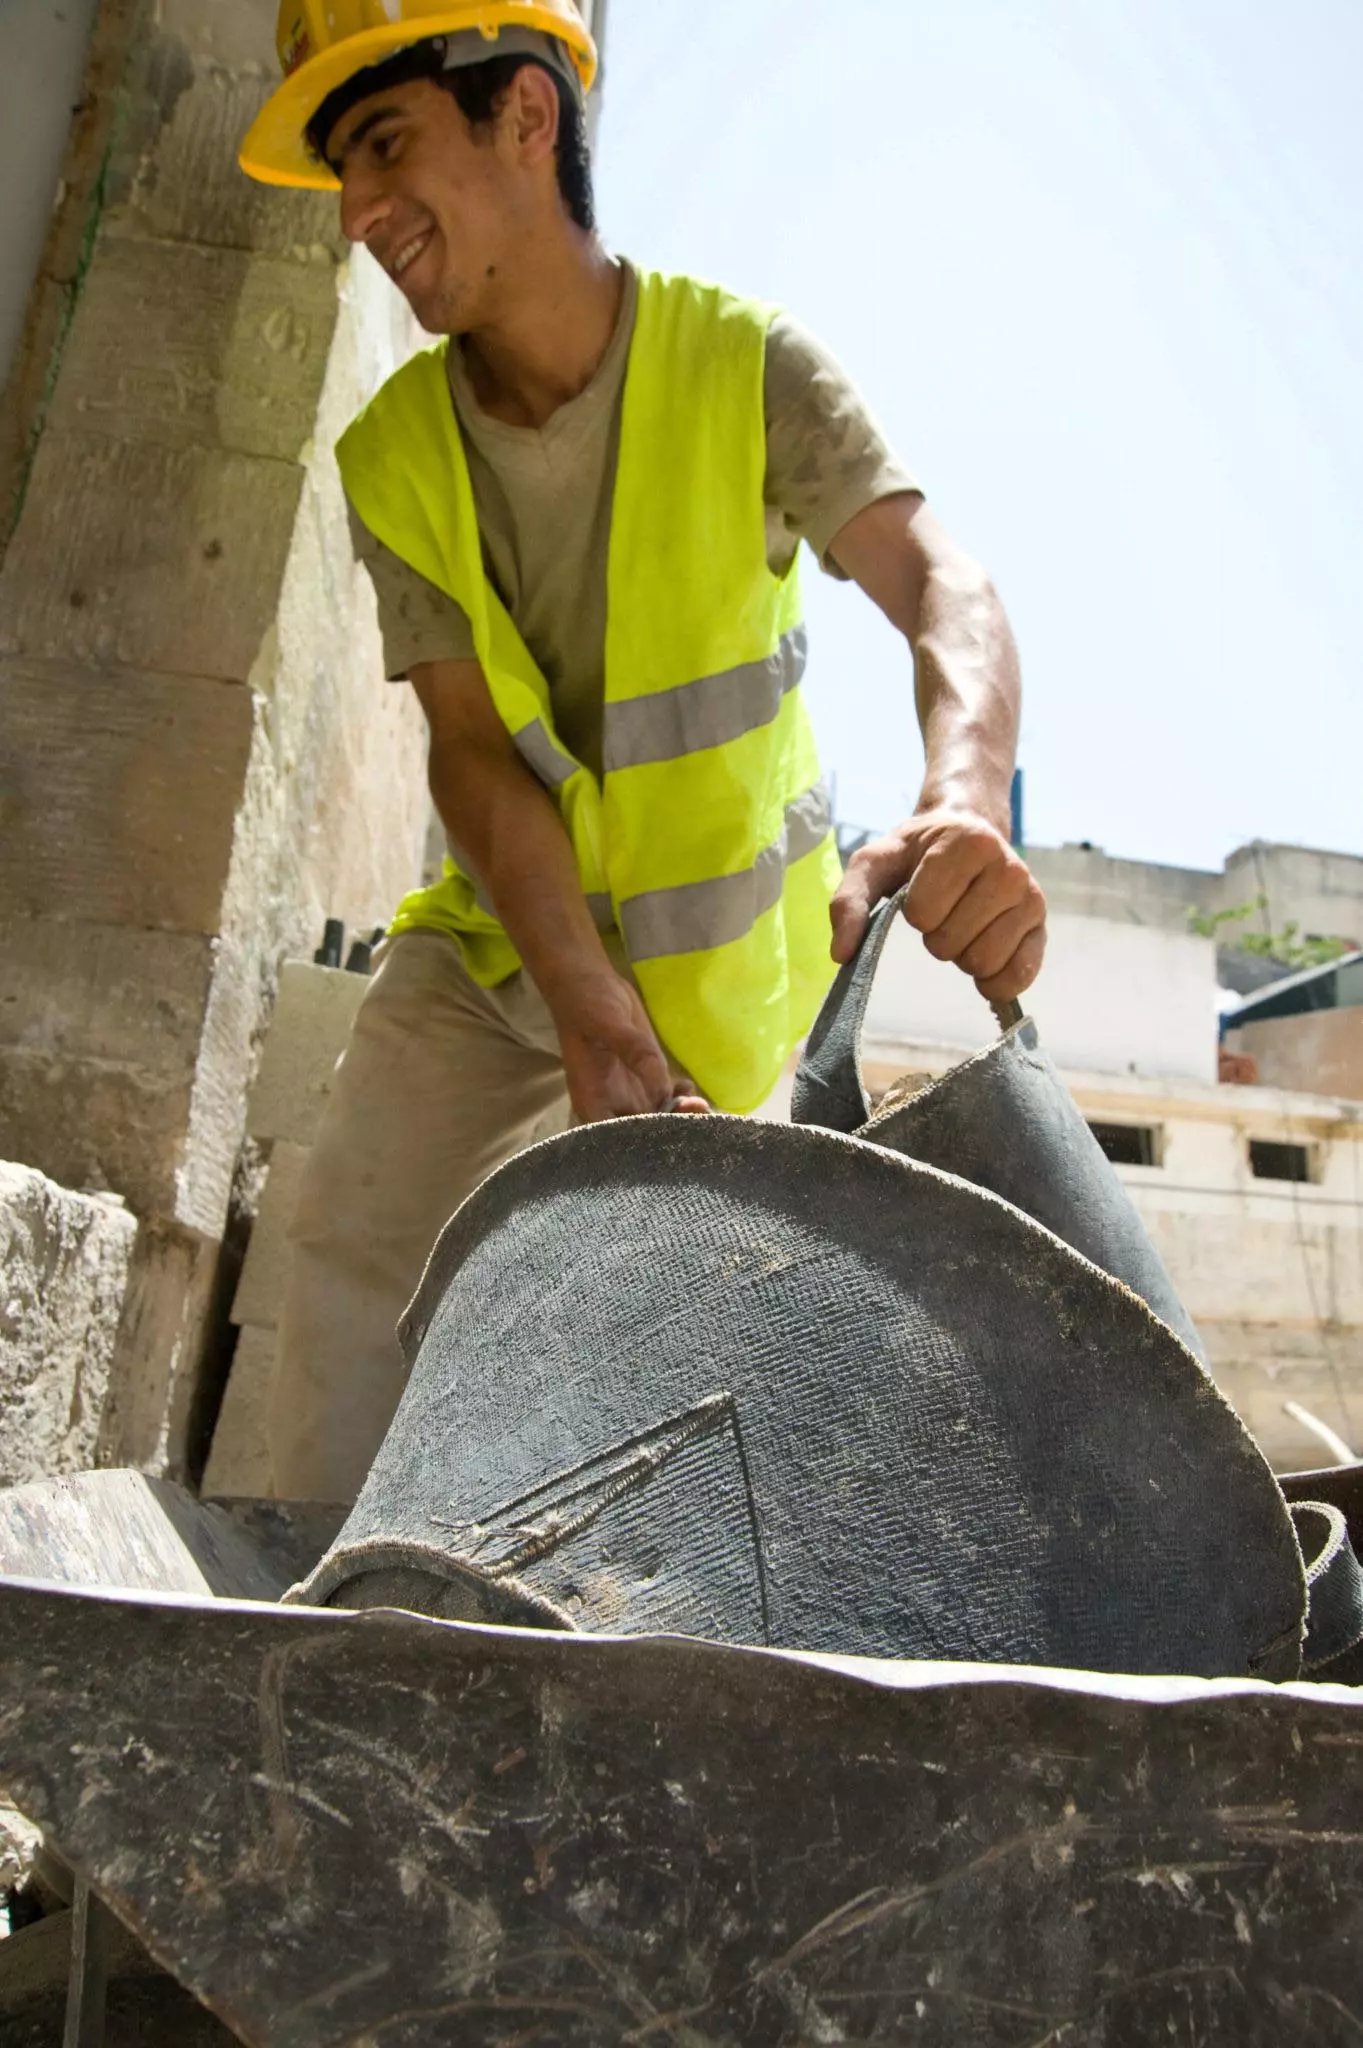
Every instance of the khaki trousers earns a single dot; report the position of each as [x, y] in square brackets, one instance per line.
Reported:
[441, 1083]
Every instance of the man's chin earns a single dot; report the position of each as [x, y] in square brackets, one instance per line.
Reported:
[435, 307]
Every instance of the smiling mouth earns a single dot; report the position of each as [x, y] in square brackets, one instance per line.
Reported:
[408, 254]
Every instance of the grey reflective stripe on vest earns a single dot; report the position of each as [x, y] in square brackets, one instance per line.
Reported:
[707, 713]
[697, 915]
[543, 755]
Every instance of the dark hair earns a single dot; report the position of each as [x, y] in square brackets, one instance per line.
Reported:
[476, 90]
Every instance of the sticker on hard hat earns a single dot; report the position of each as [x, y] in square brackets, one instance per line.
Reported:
[295, 48]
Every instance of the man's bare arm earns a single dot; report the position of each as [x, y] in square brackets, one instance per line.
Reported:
[970, 893]
[508, 834]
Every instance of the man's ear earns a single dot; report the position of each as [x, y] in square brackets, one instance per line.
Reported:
[531, 113]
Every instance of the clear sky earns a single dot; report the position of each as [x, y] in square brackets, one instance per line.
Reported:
[1098, 266]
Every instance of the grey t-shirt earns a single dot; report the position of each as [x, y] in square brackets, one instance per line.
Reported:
[544, 498]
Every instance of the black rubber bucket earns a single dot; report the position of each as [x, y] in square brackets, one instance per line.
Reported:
[778, 1384]
[1003, 1120]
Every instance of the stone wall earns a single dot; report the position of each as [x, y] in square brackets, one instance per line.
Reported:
[202, 759]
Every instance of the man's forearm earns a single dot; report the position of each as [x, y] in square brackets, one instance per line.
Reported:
[506, 831]
[969, 892]
[968, 692]
[509, 836]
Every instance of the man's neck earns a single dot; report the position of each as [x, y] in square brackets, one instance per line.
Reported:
[546, 341]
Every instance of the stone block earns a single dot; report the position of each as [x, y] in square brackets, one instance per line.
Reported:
[260, 1291]
[238, 1464]
[104, 992]
[169, 1326]
[308, 1033]
[128, 1530]
[237, 38]
[65, 1260]
[173, 172]
[118, 795]
[230, 348]
[147, 557]
[95, 1126]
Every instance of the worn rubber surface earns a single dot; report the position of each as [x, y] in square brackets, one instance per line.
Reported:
[767, 1384]
[1006, 1121]
[1003, 1120]
[377, 1831]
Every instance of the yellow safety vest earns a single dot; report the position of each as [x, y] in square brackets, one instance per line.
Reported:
[709, 841]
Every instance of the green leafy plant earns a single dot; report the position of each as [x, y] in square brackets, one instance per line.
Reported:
[1286, 944]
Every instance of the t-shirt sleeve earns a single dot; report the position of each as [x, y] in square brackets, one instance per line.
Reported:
[417, 620]
[827, 458]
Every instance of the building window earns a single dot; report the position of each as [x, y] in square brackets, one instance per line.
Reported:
[1131, 1144]
[1269, 1160]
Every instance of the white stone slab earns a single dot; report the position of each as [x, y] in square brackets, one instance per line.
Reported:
[238, 1465]
[308, 1032]
[260, 1290]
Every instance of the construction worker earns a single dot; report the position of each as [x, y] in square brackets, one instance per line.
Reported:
[581, 513]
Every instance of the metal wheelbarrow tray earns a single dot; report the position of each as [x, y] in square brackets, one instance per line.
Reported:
[374, 1827]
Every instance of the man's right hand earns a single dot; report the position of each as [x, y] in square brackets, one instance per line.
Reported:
[506, 830]
[611, 1055]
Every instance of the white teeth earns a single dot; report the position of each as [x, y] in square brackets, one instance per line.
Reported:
[408, 255]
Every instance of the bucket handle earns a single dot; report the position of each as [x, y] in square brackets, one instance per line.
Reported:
[829, 1089]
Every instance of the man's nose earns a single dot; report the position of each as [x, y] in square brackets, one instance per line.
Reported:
[364, 206]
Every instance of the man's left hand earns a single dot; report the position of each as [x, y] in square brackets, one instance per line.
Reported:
[970, 894]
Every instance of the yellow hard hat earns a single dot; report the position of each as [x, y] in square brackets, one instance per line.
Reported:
[322, 43]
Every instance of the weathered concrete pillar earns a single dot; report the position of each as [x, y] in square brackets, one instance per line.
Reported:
[202, 759]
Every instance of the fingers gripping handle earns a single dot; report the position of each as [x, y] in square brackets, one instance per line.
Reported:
[829, 1089]
[828, 1086]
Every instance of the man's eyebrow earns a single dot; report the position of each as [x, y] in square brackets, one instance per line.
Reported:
[358, 133]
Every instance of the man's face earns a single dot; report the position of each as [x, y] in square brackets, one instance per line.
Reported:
[437, 206]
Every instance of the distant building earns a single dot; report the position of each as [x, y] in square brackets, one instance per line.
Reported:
[1305, 1030]
[1321, 894]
